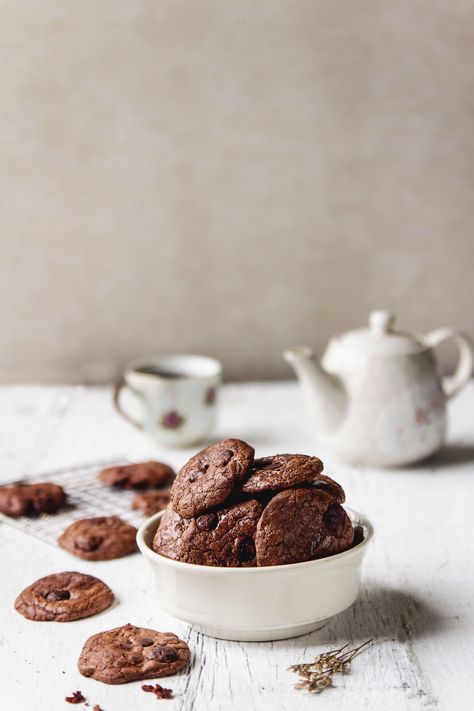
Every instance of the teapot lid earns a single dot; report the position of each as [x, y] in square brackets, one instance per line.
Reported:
[380, 338]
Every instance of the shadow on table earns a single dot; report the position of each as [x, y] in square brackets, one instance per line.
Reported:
[380, 614]
[451, 455]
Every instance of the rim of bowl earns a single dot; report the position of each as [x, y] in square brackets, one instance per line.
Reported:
[356, 517]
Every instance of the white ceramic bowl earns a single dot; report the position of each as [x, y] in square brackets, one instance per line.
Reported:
[256, 604]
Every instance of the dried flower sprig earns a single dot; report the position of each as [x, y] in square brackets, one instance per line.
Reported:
[317, 675]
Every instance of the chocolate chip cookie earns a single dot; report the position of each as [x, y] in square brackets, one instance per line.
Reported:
[31, 499]
[100, 538]
[143, 475]
[129, 653]
[150, 502]
[64, 597]
[301, 524]
[169, 534]
[210, 476]
[224, 537]
[282, 471]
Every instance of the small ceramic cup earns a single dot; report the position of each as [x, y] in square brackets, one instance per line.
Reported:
[177, 395]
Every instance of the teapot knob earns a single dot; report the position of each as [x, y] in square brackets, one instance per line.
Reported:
[381, 322]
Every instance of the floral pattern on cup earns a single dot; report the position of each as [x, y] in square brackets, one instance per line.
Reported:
[210, 396]
[172, 420]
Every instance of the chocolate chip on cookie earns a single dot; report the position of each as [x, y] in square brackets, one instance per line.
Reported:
[129, 653]
[210, 476]
[64, 597]
[301, 524]
[31, 499]
[224, 537]
[100, 538]
[143, 475]
[150, 502]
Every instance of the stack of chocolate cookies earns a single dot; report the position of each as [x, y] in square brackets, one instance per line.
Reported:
[229, 509]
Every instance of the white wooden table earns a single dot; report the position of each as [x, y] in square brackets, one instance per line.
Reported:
[417, 600]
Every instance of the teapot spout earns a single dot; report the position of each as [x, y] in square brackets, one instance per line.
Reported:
[324, 392]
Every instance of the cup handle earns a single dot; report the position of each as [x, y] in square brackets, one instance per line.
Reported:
[118, 407]
[454, 383]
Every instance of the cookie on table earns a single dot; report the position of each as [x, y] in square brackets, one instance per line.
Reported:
[31, 499]
[224, 537]
[150, 502]
[302, 524]
[130, 653]
[210, 476]
[284, 471]
[99, 538]
[142, 475]
[63, 597]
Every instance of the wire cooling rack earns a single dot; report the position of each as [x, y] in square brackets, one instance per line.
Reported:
[87, 496]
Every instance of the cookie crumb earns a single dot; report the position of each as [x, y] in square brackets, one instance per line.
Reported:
[75, 698]
[159, 691]
[97, 708]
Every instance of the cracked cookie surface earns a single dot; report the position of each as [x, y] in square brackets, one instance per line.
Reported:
[99, 538]
[142, 475]
[31, 499]
[300, 525]
[129, 653]
[283, 471]
[63, 597]
[210, 476]
[225, 537]
[167, 540]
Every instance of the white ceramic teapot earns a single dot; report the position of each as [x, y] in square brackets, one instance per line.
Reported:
[377, 397]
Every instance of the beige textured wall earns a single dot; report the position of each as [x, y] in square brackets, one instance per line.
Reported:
[229, 177]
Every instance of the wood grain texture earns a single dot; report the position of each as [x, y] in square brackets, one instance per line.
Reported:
[417, 595]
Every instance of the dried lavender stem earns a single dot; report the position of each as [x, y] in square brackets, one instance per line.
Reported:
[317, 675]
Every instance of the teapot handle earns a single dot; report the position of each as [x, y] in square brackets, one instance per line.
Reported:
[454, 383]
